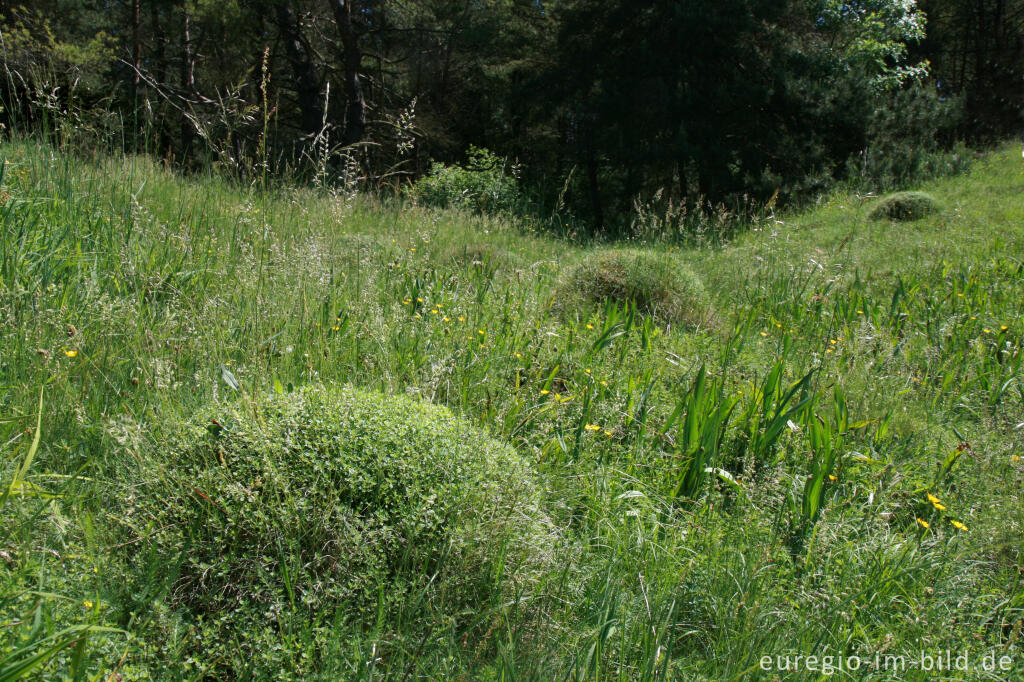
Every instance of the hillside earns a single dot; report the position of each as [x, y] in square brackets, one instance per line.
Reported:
[825, 461]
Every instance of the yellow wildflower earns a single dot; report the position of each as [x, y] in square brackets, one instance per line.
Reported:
[592, 427]
[958, 525]
[71, 353]
[936, 502]
[923, 523]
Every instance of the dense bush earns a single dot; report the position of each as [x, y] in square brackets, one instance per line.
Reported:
[656, 282]
[337, 502]
[905, 206]
[486, 184]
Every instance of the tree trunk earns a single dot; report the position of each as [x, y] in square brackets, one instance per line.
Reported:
[355, 107]
[136, 54]
[188, 79]
[307, 84]
[592, 181]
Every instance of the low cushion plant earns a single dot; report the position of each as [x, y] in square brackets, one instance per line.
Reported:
[657, 283]
[904, 206]
[339, 502]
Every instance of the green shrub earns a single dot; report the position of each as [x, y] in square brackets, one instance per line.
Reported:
[905, 206]
[486, 184]
[330, 505]
[656, 282]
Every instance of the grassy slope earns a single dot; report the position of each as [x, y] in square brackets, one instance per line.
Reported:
[124, 289]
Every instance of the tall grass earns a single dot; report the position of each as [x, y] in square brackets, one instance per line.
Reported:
[753, 490]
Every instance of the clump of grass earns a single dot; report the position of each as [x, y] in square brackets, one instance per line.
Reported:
[657, 283]
[904, 206]
[333, 501]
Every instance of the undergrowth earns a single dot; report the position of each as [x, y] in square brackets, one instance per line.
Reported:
[832, 470]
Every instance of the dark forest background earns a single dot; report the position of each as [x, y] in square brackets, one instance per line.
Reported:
[593, 108]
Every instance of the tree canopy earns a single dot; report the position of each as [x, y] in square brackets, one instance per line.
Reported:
[602, 102]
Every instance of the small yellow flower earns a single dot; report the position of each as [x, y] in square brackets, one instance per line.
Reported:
[434, 312]
[480, 331]
[833, 477]
[987, 331]
[590, 326]
[87, 604]
[603, 382]
[778, 324]
[419, 300]
[592, 427]
[446, 320]
[587, 371]
[609, 433]
[960, 295]
[462, 319]
[71, 353]
[860, 312]
[936, 502]
[958, 525]
[923, 523]
[335, 328]
[764, 333]
[519, 355]
[544, 391]
[833, 341]
[417, 316]
[1003, 328]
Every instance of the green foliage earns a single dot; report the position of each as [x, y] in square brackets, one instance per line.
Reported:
[657, 282]
[689, 544]
[486, 184]
[705, 415]
[335, 502]
[904, 206]
[907, 139]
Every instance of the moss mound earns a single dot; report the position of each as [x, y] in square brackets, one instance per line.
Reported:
[657, 283]
[338, 502]
[903, 206]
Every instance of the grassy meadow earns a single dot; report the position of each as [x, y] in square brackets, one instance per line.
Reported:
[826, 462]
